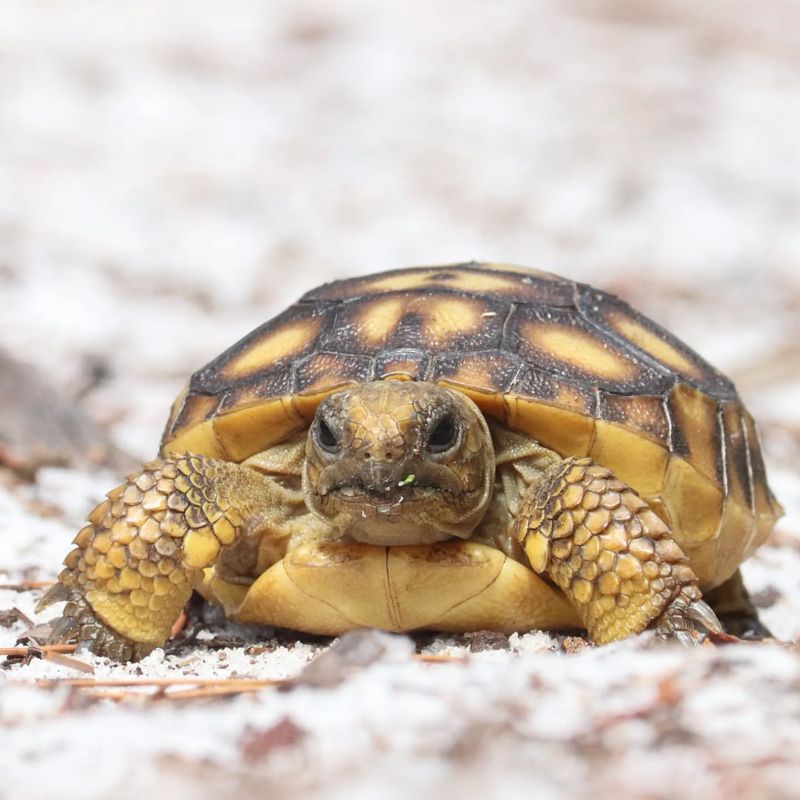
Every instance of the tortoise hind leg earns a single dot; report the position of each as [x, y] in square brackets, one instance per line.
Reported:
[735, 610]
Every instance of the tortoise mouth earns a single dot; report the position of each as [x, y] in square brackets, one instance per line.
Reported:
[380, 498]
[388, 515]
[359, 489]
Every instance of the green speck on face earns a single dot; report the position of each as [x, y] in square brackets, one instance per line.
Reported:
[408, 480]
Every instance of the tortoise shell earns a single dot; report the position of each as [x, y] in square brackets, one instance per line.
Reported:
[575, 367]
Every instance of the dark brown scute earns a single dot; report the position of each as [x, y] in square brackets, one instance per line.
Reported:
[276, 383]
[550, 387]
[646, 411]
[501, 369]
[412, 329]
[608, 313]
[696, 430]
[521, 286]
[765, 502]
[214, 378]
[315, 372]
[516, 335]
[192, 409]
[408, 362]
[605, 362]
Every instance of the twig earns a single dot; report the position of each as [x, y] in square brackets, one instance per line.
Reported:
[439, 658]
[24, 586]
[27, 650]
[66, 661]
[21, 616]
[96, 683]
[425, 658]
[197, 688]
[179, 625]
[51, 652]
[183, 694]
[114, 689]
[213, 691]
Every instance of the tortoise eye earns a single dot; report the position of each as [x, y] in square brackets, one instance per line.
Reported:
[443, 436]
[327, 438]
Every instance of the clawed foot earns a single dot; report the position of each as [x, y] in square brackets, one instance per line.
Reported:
[79, 623]
[686, 615]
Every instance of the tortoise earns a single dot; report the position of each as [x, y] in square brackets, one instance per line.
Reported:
[453, 448]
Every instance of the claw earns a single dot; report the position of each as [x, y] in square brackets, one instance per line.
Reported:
[57, 593]
[701, 612]
[63, 629]
[687, 618]
[685, 638]
[91, 634]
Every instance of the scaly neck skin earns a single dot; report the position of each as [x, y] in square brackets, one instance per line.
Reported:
[520, 462]
[392, 463]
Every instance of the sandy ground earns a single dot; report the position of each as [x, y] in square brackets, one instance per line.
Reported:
[173, 174]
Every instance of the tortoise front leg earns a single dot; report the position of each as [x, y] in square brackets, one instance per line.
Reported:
[134, 566]
[611, 555]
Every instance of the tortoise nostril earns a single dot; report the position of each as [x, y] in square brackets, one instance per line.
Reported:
[370, 456]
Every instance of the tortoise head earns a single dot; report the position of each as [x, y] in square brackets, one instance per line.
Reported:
[399, 462]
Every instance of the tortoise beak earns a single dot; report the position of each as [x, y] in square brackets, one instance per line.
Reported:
[381, 481]
[373, 478]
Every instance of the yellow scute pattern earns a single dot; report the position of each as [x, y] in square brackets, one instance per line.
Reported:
[580, 349]
[652, 344]
[286, 341]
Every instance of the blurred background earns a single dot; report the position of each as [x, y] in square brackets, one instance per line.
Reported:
[173, 173]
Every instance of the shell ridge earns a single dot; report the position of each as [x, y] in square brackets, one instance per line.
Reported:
[504, 335]
[723, 452]
[670, 424]
[749, 462]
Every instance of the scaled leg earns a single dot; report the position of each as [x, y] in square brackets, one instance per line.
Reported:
[610, 554]
[134, 564]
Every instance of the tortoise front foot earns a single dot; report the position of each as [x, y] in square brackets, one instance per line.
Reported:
[611, 555]
[132, 570]
[687, 618]
[79, 624]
